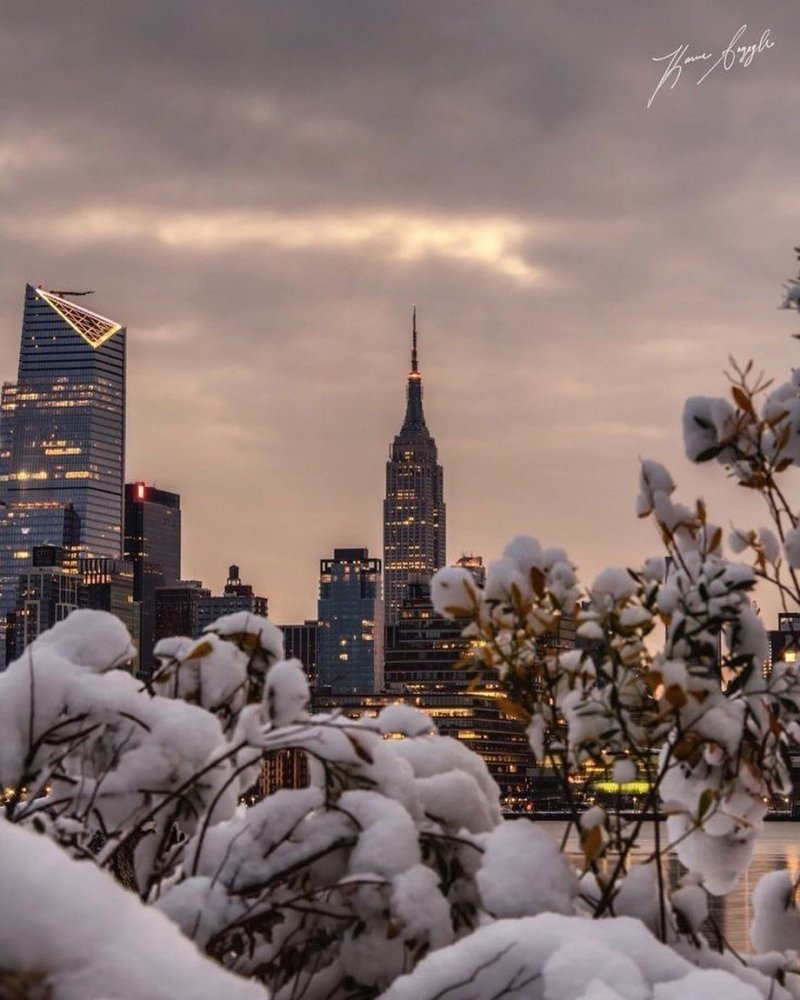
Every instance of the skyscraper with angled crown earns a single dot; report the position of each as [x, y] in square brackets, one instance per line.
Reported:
[414, 522]
[62, 439]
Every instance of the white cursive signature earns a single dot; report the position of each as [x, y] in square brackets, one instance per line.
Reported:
[730, 56]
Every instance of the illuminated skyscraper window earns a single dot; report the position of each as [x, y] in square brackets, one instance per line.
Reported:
[414, 526]
[62, 438]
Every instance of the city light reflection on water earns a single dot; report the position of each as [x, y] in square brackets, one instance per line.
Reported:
[777, 847]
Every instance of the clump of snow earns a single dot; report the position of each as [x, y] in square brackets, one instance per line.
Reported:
[453, 592]
[525, 552]
[76, 933]
[692, 904]
[524, 872]
[612, 586]
[562, 958]
[708, 426]
[791, 547]
[418, 904]
[504, 579]
[575, 965]
[405, 720]
[92, 639]
[776, 918]
[253, 632]
[208, 672]
[769, 545]
[739, 540]
[286, 694]
[654, 482]
[456, 801]
[704, 983]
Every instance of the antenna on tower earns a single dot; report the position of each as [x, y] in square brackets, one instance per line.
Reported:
[414, 368]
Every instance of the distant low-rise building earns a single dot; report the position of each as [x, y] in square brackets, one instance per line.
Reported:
[176, 608]
[236, 596]
[187, 607]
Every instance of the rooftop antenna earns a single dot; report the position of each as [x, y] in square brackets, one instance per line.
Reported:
[414, 368]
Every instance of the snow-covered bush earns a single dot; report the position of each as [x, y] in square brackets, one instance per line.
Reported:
[341, 886]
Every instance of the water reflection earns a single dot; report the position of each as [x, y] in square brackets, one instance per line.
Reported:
[777, 847]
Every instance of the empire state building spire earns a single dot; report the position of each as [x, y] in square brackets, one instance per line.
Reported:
[414, 423]
[414, 529]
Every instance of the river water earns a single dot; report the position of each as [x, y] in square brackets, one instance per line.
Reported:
[778, 846]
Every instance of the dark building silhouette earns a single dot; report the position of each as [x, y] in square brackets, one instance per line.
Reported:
[300, 642]
[414, 521]
[62, 439]
[187, 607]
[236, 596]
[176, 608]
[350, 614]
[153, 547]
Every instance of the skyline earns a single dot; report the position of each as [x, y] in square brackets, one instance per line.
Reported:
[263, 224]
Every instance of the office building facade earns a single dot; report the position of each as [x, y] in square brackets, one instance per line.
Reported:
[414, 513]
[107, 585]
[62, 439]
[46, 594]
[424, 650]
[153, 547]
[350, 616]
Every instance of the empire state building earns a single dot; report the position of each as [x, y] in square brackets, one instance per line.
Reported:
[414, 521]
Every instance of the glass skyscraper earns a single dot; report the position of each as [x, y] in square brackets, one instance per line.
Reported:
[350, 630]
[153, 545]
[414, 515]
[62, 439]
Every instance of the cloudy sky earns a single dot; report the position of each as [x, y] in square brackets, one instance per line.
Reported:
[261, 189]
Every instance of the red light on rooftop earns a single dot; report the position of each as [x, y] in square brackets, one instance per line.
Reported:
[140, 491]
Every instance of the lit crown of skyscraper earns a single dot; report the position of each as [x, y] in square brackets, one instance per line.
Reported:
[94, 328]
